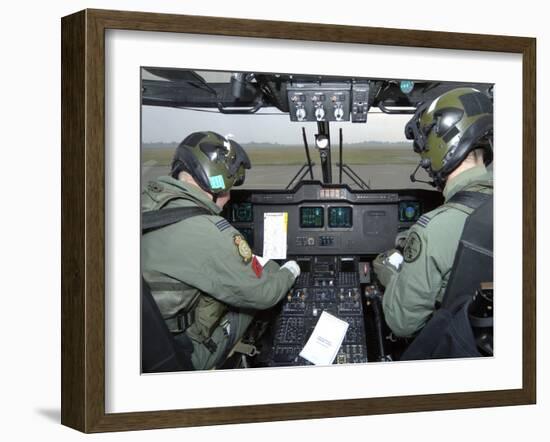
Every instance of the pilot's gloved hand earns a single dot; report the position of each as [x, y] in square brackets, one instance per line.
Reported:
[386, 265]
[292, 267]
[401, 239]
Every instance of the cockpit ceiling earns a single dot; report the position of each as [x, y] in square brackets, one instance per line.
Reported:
[172, 87]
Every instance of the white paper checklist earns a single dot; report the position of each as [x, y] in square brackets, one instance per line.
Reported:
[275, 233]
[325, 341]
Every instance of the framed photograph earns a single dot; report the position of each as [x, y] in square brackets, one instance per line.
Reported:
[268, 220]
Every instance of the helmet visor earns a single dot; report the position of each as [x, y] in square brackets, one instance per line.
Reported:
[413, 130]
[239, 159]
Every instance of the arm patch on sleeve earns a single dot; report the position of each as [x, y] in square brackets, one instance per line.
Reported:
[413, 247]
[243, 248]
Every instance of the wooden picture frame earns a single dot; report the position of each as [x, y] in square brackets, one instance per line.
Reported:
[83, 219]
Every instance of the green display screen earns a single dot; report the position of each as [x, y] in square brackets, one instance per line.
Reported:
[340, 217]
[409, 211]
[311, 217]
[242, 212]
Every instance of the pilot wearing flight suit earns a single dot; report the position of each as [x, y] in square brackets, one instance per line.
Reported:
[203, 275]
[453, 135]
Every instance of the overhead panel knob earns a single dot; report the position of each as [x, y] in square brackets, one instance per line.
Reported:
[338, 113]
[301, 114]
[320, 114]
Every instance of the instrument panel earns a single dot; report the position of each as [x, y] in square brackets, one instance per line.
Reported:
[333, 232]
[331, 219]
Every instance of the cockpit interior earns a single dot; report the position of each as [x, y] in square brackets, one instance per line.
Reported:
[335, 219]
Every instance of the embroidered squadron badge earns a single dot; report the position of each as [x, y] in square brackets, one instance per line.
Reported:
[153, 186]
[413, 247]
[243, 248]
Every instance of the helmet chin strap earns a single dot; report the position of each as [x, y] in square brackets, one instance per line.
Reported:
[425, 163]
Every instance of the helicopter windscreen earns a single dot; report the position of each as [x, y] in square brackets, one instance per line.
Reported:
[380, 154]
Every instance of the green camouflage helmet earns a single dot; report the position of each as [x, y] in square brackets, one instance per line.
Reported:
[448, 128]
[215, 163]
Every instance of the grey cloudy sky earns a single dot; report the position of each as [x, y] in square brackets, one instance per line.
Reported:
[163, 124]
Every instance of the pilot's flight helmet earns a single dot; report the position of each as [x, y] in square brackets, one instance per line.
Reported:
[446, 129]
[216, 163]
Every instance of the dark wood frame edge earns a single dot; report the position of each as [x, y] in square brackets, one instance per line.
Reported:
[83, 215]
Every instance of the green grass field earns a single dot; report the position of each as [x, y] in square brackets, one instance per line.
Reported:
[295, 156]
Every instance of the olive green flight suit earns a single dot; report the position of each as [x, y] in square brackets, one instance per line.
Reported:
[412, 292]
[198, 263]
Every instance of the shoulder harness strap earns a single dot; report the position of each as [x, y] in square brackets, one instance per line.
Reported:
[467, 200]
[472, 196]
[155, 219]
[470, 200]
[160, 197]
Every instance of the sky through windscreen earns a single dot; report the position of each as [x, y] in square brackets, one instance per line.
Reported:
[167, 125]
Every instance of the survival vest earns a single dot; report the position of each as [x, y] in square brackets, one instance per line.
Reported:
[183, 308]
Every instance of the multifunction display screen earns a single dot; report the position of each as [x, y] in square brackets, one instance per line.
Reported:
[311, 217]
[340, 217]
[242, 212]
[409, 211]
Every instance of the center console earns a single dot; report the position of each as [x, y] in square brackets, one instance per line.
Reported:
[327, 283]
